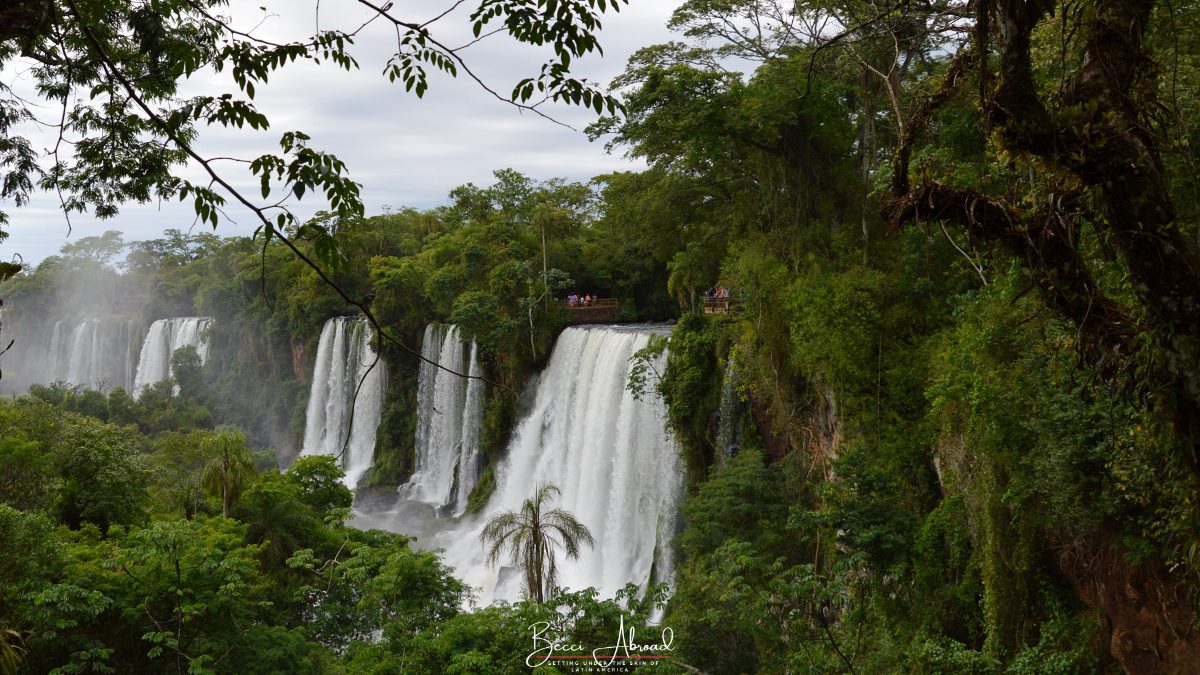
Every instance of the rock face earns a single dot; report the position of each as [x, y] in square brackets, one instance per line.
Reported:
[298, 355]
[1147, 611]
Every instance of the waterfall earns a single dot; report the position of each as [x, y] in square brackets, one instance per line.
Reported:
[729, 416]
[80, 365]
[619, 472]
[52, 359]
[449, 421]
[92, 352]
[164, 337]
[470, 459]
[345, 358]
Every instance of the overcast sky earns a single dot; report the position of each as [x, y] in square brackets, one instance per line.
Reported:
[404, 151]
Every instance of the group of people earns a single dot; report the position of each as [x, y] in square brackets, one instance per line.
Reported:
[576, 300]
[719, 292]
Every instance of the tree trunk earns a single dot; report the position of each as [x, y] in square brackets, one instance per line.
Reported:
[1099, 137]
[225, 491]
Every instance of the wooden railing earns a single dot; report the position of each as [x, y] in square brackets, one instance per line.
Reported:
[599, 310]
[721, 305]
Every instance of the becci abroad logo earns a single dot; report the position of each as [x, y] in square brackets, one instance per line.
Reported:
[626, 651]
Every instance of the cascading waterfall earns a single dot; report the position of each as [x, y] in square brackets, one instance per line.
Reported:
[729, 417]
[470, 459]
[619, 472]
[346, 363]
[95, 352]
[449, 420]
[162, 340]
[52, 357]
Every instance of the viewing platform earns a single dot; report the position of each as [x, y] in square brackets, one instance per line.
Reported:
[600, 310]
[721, 305]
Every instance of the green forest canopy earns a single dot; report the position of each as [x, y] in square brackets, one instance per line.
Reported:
[964, 237]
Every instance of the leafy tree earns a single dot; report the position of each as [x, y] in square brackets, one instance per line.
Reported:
[688, 272]
[176, 595]
[185, 370]
[177, 464]
[75, 468]
[27, 479]
[376, 584]
[89, 402]
[103, 477]
[121, 407]
[276, 518]
[320, 481]
[31, 554]
[100, 250]
[1085, 137]
[531, 536]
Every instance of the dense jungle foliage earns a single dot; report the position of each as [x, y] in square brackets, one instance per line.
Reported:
[120, 557]
[477, 263]
[947, 426]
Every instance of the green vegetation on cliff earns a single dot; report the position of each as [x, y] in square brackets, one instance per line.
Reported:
[947, 422]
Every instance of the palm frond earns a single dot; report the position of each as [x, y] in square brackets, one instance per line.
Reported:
[531, 537]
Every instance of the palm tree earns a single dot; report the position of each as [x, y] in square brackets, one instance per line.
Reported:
[687, 271]
[531, 536]
[11, 651]
[231, 468]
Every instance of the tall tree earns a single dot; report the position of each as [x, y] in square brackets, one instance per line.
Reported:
[112, 71]
[230, 470]
[1092, 147]
[688, 272]
[531, 537]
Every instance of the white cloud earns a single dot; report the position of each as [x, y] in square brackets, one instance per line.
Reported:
[405, 151]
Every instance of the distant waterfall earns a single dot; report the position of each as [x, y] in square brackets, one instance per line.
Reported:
[164, 337]
[619, 471]
[729, 415]
[95, 353]
[449, 420]
[470, 459]
[345, 357]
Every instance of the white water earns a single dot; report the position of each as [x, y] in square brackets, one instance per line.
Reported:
[470, 459]
[729, 424]
[337, 422]
[619, 472]
[162, 340]
[92, 352]
[449, 420]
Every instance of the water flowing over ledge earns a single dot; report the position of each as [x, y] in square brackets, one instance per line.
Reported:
[345, 399]
[163, 339]
[99, 352]
[95, 353]
[620, 473]
[449, 421]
